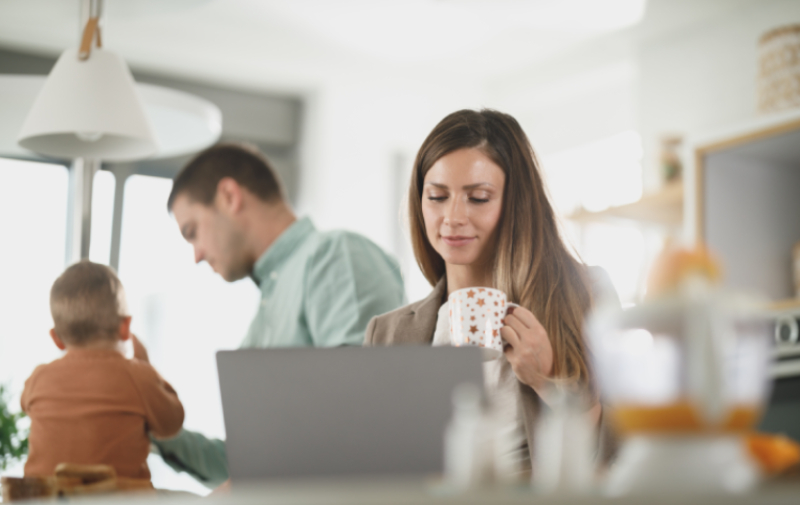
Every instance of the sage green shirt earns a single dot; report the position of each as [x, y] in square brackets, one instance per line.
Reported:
[317, 289]
[321, 289]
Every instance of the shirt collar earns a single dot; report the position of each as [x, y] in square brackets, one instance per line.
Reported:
[282, 248]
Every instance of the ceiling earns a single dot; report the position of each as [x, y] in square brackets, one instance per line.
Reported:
[292, 45]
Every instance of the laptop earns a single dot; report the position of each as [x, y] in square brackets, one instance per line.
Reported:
[341, 412]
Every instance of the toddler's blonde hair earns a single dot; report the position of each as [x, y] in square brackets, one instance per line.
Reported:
[87, 303]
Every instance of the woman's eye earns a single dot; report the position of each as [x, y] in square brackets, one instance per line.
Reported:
[478, 200]
[437, 198]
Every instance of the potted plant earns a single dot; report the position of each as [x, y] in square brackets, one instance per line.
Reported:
[13, 440]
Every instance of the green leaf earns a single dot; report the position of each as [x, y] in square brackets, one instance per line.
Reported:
[13, 440]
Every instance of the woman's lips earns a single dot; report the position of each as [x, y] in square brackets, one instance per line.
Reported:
[457, 240]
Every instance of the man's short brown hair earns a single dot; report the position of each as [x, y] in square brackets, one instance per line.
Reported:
[87, 303]
[241, 162]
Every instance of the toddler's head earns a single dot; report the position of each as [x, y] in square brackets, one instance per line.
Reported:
[88, 307]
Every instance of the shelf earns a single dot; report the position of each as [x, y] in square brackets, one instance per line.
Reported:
[789, 304]
[664, 207]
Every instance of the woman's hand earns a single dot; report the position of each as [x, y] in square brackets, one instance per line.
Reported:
[222, 489]
[527, 348]
[530, 354]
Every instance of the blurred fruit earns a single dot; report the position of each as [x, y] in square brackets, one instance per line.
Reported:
[674, 266]
[774, 453]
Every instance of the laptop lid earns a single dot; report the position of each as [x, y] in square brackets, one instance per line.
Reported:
[305, 412]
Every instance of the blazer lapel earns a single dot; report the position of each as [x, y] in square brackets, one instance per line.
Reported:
[418, 324]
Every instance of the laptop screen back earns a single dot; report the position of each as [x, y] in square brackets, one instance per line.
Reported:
[294, 413]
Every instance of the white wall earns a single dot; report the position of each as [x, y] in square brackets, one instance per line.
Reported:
[703, 77]
[660, 77]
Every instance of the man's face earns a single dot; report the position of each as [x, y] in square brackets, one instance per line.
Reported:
[216, 238]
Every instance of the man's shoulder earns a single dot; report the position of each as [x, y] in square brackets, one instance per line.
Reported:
[343, 236]
[346, 242]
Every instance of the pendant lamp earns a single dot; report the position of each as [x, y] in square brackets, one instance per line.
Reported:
[89, 107]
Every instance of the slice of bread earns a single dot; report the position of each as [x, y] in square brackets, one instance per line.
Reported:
[88, 474]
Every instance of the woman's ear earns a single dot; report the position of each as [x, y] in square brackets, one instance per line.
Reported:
[56, 339]
[125, 328]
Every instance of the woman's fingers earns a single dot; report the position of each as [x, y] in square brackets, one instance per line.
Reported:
[517, 325]
[528, 351]
[510, 336]
[525, 316]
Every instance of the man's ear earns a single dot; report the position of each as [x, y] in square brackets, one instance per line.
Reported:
[56, 339]
[230, 196]
[125, 328]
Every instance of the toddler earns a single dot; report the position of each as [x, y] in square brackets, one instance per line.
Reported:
[92, 405]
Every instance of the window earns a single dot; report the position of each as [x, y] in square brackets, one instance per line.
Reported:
[596, 176]
[33, 225]
[102, 216]
[182, 312]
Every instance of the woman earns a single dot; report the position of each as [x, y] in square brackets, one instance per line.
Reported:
[479, 216]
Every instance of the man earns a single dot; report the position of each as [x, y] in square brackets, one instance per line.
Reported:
[317, 289]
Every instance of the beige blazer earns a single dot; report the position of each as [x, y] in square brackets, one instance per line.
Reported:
[415, 324]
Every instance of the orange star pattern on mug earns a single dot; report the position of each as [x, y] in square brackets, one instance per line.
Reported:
[475, 321]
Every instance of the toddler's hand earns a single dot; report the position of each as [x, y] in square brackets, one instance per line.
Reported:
[139, 350]
[224, 488]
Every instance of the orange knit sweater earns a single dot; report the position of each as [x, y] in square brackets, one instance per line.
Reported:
[94, 406]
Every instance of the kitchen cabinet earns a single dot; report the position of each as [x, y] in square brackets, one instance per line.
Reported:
[743, 202]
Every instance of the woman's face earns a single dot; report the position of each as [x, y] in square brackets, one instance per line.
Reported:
[462, 199]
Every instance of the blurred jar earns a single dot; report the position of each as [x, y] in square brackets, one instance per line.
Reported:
[779, 69]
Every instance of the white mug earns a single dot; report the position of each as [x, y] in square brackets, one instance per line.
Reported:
[476, 316]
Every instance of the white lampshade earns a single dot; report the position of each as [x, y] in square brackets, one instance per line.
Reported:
[90, 109]
[183, 123]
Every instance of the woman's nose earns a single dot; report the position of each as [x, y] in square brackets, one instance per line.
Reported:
[455, 214]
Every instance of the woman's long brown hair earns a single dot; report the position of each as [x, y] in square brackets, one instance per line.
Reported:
[532, 265]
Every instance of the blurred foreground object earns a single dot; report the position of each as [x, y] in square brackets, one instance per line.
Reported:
[72, 480]
[565, 443]
[775, 453]
[676, 266]
[479, 449]
[24, 488]
[685, 377]
[779, 69]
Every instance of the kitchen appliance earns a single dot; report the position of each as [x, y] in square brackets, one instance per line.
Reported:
[684, 378]
[782, 414]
